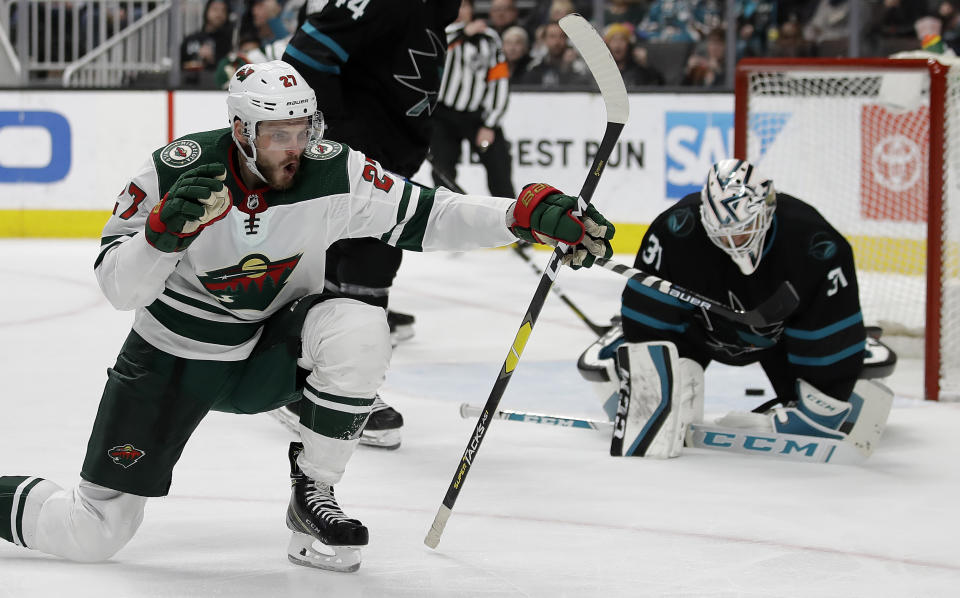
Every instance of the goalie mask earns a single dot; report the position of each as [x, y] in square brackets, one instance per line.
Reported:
[271, 91]
[736, 209]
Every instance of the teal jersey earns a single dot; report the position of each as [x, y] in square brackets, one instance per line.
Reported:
[210, 300]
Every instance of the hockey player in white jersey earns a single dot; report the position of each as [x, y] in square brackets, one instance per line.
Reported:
[218, 244]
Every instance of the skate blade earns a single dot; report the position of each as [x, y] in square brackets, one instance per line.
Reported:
[385, 439]
[306, 550]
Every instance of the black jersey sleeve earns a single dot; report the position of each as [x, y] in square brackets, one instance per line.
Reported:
[332, 37]
[650, 315]
[824, 340]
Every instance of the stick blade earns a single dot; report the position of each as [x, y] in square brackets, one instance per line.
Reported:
[601, 64]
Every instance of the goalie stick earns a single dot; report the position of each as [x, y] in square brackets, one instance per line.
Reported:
[775, 309]
[776, 445]
[604, 70]
[449, 183]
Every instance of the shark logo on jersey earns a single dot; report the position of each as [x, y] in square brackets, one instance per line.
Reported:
[252, 284]
[734, 340]
[822, 247]
[125, 455]
[416, 80]
[180, 153]
[682, 222]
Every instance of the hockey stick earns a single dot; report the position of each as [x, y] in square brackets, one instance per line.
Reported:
[601, 64]
[449, 183]
[467, 411]
[776, 445]
[775, 309]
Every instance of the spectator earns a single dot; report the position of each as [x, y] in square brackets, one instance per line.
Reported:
[556, 11]
[545, 11]
[754, 19]
[625, 11]
[645, 73]
[503, 15]
[620, 40]
[202, 50]
[928, 33]
[560, 9]
[799, 11]
[516, 49]
[555, 68]
[830, 22]
[895, 18]
[710, 14]
[705, 67]
[670, 21]
[950, 19]
[263, 19]
[248, 50]
[789, 42]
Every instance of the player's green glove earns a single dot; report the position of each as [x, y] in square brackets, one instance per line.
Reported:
[196, 200]
[543, 214]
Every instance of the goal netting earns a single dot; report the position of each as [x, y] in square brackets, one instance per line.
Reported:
[874, 145]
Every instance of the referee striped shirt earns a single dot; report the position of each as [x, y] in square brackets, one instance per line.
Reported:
[475, 75]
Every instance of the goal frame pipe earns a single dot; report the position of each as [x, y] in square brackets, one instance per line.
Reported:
[938, 93]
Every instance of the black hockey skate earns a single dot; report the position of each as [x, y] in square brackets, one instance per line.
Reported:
[383, 426]
[401, 326]
[323, 537]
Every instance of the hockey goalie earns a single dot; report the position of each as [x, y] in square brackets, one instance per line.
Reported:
[737, 241]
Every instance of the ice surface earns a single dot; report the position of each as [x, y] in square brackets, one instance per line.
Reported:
[544, 512]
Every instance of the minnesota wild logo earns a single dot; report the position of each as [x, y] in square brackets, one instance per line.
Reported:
[180, 153]
[323, 150]
[244, 73]
[125, 455]
[252, 284]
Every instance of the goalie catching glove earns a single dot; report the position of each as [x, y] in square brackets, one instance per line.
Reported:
[544, 215]
[197, 199]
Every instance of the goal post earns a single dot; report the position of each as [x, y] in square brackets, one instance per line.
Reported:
[870, 143]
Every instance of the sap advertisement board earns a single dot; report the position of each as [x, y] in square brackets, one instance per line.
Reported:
[74, 150]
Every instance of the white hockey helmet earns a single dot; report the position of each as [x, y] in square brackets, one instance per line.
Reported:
[736, 209]
[270, 91]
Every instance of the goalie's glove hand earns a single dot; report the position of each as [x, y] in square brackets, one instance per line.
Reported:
[543, 214]
[197, 199]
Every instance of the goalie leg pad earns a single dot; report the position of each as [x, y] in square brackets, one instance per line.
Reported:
[870, 407]
[660, 394]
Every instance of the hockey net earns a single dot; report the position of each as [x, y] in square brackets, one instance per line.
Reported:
[874, 145]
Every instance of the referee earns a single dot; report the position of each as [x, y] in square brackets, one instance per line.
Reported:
[473, 99]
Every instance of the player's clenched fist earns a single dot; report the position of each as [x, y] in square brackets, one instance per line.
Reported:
[543, 214]
[197, 199]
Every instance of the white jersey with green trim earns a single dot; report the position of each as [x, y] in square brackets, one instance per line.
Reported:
[210, 300]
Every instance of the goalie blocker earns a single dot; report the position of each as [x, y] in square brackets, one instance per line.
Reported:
[660, 395]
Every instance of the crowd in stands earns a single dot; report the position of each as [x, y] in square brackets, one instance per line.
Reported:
[655, 42]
